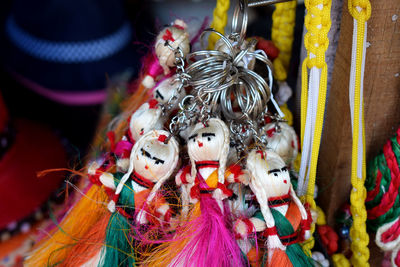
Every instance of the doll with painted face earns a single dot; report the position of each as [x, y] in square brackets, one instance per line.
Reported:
[167, 89]
[208, 149]
[153, 159]
[206, 238]
[146, 118]
[174, 36]
[246, 225]
[287, 221]
[283, 140]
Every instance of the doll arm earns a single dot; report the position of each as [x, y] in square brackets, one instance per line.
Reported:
[244, 227]
[271, 232]
[305, 216]
[94, 173]
[156, 212]
[235, 174]
[183, 177]
[99, 177]
[273, 240]
[107, 179]
[154, 70]
[303, 212]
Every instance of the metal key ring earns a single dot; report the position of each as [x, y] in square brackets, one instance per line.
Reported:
[223, 38]
[240, 18]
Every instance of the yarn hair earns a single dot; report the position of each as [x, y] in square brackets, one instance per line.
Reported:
[178, 37]
[175, 147]
[223, 155]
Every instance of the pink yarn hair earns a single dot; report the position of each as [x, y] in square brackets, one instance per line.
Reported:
[213, 243]
[154, 67]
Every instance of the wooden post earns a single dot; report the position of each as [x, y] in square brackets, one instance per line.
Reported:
[381, 102]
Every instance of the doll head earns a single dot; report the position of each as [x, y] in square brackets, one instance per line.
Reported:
[283, 140]
[176, 35]
[269, 176]
[146, 118]
[247, 61]
[154, 159]
[209, 142]
[168, 88]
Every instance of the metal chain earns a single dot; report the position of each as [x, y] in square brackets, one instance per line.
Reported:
[181, 76]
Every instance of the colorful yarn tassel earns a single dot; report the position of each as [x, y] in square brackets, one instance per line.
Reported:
[294, 254]
[205, 240]
[119, 247]
[54, 250]
[90, 245]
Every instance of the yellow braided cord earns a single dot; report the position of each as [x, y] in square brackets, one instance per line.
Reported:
[321, 219]
[339, 260]
[361, 11]
[220, 18]
[282, 34]
[288, 114]
[317, 23]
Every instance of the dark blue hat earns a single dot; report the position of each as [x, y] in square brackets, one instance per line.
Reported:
[65, 49]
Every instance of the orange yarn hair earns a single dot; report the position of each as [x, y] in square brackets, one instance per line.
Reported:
[54, 249]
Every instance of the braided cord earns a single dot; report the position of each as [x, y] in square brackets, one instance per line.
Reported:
[282, 34]
[339, 260]
[361, 11]
[220, 19]
[317, 23]
[387, 164]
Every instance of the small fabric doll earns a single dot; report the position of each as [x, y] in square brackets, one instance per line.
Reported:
[282, 139]
[167, 89]
[280, 208]
[175, 36]
[146, 118]
[243, 207]
[153, 159]
[206, 239]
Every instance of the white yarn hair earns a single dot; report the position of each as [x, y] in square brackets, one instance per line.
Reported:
[254, 161]
[164, 54]
[148, 137]
[152, 119]
[281, 142]
[222, 157]
[173, 145]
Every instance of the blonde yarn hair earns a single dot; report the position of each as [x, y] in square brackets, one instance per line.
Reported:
[282, 141]
[222, 156]
[148, 137]
[180, 37]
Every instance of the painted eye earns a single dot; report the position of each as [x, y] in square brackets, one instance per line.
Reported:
[208, 138]
[158, 161]
[276, 175]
